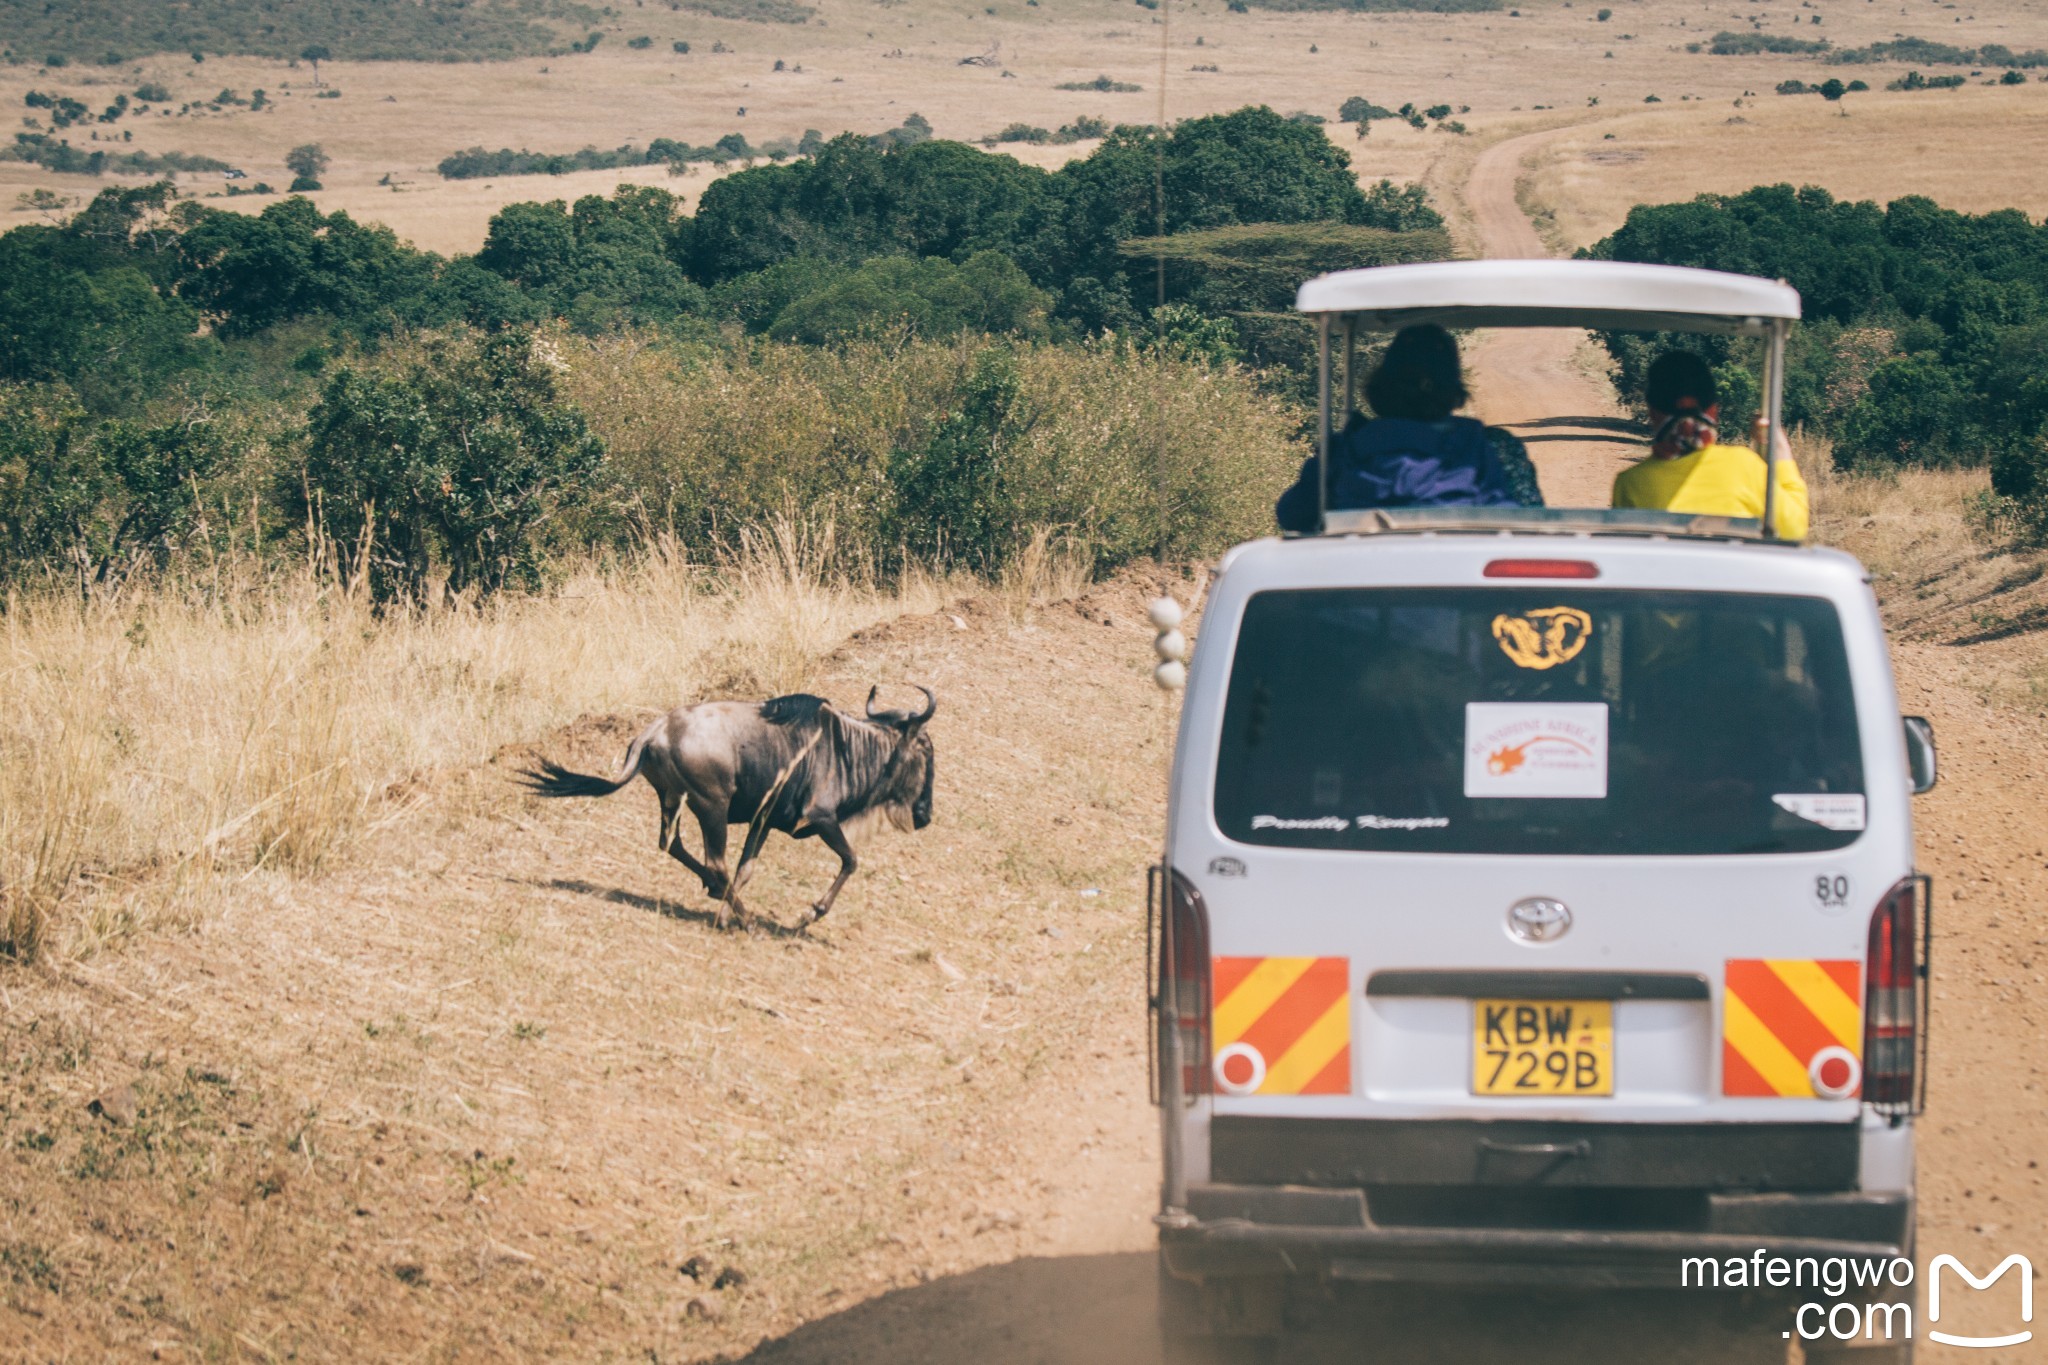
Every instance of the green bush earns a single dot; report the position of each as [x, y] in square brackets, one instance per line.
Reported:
[1101, 83]
[895, 296]
[457, 455]
[1925, 52]
[1744, 44]
[1359, 109]
[100, 501]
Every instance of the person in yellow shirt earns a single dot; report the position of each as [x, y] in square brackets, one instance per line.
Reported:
[1690, 470]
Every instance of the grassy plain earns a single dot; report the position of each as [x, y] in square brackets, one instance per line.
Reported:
[863, 66]
[1973, 150]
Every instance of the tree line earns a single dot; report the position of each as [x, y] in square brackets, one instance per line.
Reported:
[1925, 338]
[157, 353]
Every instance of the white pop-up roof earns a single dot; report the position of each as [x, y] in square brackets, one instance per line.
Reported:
[1606, 295]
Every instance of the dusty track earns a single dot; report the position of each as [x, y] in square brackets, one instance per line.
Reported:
[1542, 384]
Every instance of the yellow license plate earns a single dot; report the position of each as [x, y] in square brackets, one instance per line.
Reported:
[1542, 1047]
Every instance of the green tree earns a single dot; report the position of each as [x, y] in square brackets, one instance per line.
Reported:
[530, 244]
[308, 162]
[1915, 412]
[247, 274]
[949, 491]
[851, 199]
[897, 296]
[1251, 166]
[91, 302]
[457, 456]
[606, 262]
[315, 53]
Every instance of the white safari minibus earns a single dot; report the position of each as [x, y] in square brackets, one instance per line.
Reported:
[1539, 903]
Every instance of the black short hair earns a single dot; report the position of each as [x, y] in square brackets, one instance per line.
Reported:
[1678, 375]
[1419, 376]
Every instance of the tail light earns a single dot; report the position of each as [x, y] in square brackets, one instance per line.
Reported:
[1895, 1000]
[1177, 953]
[1541, 568]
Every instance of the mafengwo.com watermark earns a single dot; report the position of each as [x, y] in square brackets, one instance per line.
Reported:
[1867, 1299]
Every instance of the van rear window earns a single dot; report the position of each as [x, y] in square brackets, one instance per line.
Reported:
[1540, 721]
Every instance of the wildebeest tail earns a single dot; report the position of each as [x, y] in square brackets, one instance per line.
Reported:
[552, 779]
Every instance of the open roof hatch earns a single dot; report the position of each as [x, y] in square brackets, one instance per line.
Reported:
[1601, 295]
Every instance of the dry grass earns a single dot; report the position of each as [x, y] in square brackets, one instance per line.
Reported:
[1973, 150]
[165, 746]
[1941, 573]
[865, 66]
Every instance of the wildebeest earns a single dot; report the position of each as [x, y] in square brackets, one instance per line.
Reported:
[796, 764]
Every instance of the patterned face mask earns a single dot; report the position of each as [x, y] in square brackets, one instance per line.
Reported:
[1684, 432]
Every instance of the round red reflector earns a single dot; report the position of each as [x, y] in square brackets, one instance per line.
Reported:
[1238, 1070]
[1835, 1074]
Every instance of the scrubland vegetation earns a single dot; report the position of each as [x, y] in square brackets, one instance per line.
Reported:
[1925, 330]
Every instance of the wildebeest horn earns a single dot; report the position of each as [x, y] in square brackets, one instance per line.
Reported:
[931, 703]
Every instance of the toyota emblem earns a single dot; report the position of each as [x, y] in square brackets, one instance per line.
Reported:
[1539, 919]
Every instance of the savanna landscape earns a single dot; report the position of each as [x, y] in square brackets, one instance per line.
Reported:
[611, 357]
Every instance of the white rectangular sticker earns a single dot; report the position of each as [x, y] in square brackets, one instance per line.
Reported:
[1835, 810]
[1536, 748]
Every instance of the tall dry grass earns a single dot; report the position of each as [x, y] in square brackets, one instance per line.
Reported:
[1129, 452]
[159, 748]
[1918, 531]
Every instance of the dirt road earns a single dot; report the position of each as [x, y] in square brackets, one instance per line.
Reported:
[1548, 386]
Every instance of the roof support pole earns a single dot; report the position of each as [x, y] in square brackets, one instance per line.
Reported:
[1350, 402]
[1774, 414]
[1322, 420]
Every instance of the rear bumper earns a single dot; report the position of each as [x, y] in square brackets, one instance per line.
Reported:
[1240, 1231]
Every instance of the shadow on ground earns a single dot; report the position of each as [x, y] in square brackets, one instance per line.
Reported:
[1102, 1310]
[1583, 430]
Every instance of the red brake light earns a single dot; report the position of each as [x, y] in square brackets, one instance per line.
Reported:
[1184, 957]
[1542, 568]
[1892, 1001]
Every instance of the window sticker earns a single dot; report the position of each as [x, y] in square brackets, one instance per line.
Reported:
[1543, 638]
[1542, 749]
[1832, 810]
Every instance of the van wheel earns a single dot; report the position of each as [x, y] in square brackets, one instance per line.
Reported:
[1899, 1353]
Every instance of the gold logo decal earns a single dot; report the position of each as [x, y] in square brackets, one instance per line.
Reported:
[1543, 638]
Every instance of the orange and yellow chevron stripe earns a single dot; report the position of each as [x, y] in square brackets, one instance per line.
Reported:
[1282, 1025]
[1792, 1028]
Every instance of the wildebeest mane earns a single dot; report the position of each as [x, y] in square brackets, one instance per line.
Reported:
[798, 708]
